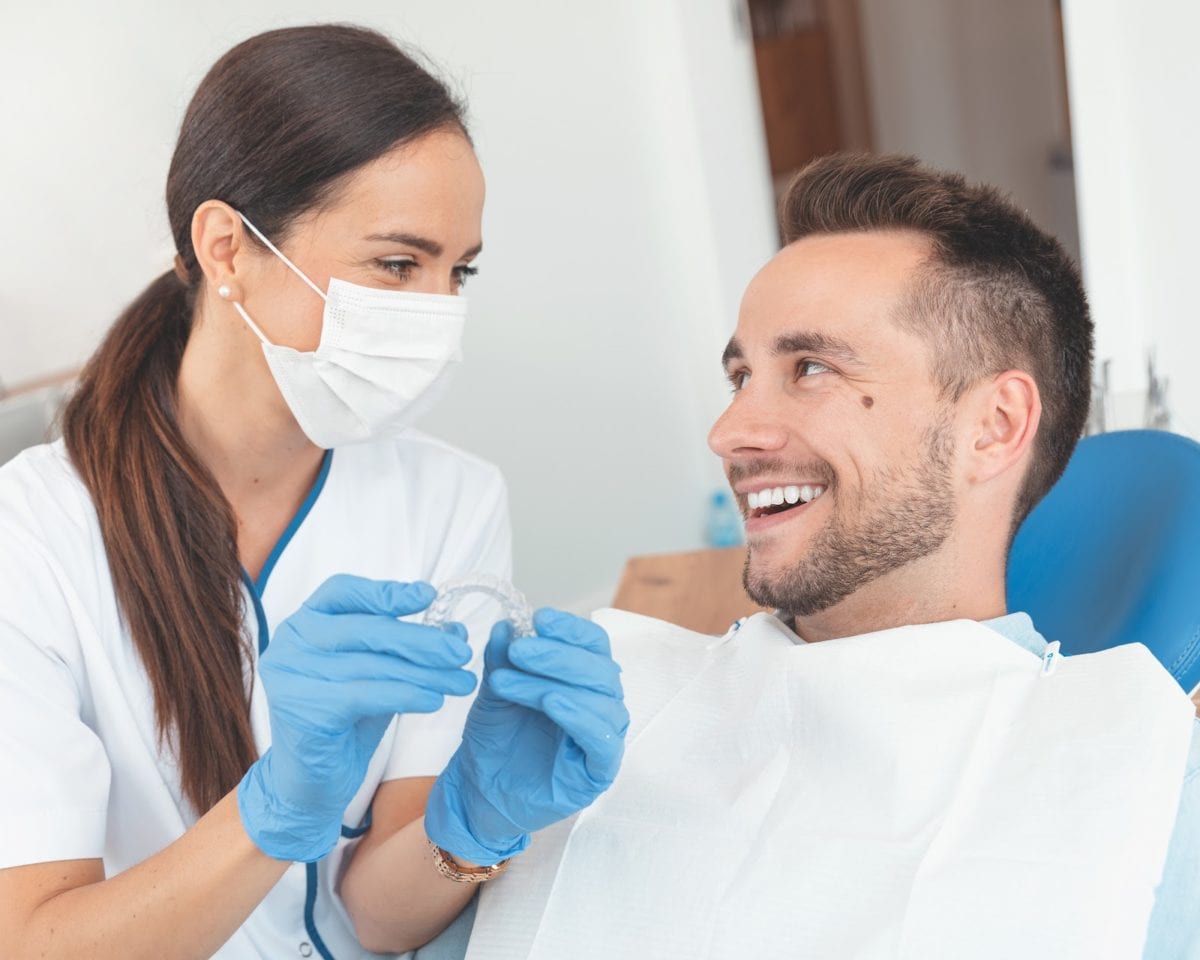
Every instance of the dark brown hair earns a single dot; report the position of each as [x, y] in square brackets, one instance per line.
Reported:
[999, 293]
[272, 128]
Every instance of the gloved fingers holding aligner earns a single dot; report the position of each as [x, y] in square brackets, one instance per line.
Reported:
[556, 660]
[596, 722]
[345, 593]
[495, 654]
[383, 634]
[335, 673]
[578, 631]
[366, 612]
[567, 672]
[543, 739]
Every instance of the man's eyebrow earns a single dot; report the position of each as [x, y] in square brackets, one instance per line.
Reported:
[834, 348]
[803, 342]
[431, 247]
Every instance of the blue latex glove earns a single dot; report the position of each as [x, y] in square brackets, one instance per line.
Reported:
[335, 674]
[543, 739]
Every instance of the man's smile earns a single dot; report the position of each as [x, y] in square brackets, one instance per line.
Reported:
[768, 498]
[765, 506]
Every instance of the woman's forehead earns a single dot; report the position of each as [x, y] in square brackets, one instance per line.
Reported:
[435, 183]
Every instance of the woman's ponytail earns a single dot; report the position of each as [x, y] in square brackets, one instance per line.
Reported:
[170, 537]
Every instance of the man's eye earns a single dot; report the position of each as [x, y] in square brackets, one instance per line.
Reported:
[809, 368]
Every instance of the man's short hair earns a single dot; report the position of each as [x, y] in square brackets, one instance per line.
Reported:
[998, 293]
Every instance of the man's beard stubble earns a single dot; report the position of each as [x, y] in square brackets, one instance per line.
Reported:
[909, 516]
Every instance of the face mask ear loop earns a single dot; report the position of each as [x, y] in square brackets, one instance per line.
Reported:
[250, 323]
[279, 253]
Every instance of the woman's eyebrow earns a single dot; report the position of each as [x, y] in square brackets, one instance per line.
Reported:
[431, 247]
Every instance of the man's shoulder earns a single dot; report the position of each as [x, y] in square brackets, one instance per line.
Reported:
[1175, 924]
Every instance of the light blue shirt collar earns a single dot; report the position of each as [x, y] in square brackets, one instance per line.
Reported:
[1017, 627]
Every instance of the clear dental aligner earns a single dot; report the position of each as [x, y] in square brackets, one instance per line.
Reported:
[516, 607]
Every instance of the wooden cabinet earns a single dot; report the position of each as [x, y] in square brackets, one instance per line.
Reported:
[808, 54]
[795, 79]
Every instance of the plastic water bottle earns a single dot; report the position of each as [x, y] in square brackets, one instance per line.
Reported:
[724, 526]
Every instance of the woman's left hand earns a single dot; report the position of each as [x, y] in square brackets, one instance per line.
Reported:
[543, 739]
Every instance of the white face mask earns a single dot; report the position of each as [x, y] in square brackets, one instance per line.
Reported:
[385, 358]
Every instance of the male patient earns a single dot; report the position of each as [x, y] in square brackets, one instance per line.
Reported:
[893, 766]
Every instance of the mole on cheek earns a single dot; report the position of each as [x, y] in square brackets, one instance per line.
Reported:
[868, 402]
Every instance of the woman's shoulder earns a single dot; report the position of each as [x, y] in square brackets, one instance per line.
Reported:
[51, 554]
[43, 499]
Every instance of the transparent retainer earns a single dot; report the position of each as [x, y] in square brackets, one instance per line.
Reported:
[516, 607]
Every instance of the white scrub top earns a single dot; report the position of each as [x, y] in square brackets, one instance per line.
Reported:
[81, 773]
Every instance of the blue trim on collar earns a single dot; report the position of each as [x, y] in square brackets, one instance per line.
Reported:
[256, 587]
[286, 537]
[264, 634]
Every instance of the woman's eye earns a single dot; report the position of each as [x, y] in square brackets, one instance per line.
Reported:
[401, 269]
[809, 368]
[462, 273]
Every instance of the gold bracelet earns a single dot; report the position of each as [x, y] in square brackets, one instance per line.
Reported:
[451, 870]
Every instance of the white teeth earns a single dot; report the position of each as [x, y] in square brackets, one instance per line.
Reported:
[778, 496]
[809, 494]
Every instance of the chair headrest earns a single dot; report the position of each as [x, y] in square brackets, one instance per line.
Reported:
[1112, 554]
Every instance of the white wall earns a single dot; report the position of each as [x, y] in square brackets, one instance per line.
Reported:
[628, 205]
[1135, 82]
[974, 86]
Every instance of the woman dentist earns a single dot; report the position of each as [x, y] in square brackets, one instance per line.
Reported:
[216, 736]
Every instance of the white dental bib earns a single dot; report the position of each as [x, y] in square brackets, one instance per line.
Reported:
[916, 793]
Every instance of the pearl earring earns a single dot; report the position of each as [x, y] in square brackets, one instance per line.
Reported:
[223, 292]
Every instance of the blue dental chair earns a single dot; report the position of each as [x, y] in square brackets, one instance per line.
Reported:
[1112, 554]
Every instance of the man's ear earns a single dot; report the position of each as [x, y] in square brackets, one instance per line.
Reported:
[1006, 411]
[218, 237]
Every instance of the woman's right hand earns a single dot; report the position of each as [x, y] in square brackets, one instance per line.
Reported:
[335, 674]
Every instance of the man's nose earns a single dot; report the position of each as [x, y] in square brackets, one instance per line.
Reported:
[746, 427]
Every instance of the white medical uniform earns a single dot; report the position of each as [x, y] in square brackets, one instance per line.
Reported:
[81, 772]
